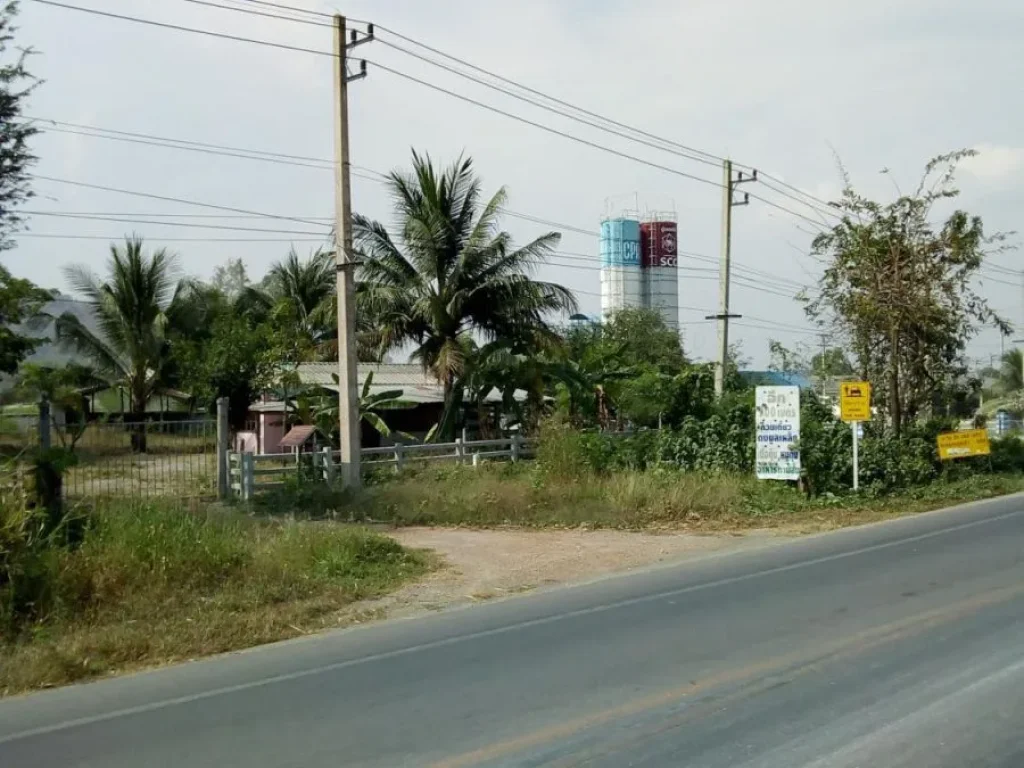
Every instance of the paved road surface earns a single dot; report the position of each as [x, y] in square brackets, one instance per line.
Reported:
[899, 645]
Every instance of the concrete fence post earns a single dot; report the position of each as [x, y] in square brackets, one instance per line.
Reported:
[516, 445]
[399, 456]
[223, 446]
[460, 451]
[328, 461]
[476, 460]
[248, 476]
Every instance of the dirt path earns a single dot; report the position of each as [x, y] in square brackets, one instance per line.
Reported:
[485, 564]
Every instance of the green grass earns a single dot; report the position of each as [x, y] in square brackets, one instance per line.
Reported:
[154, 583]
[526, 496]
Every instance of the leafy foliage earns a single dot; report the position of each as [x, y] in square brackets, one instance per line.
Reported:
[234, 358]
[449, 274]
[15, 157]
[901, 287]
[135, 307]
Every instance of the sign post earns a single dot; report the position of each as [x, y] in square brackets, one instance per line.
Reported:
[855, 407]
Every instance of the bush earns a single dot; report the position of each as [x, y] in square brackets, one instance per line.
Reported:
[145, 560]
[1007, 454]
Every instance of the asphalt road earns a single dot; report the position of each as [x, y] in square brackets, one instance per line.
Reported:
[897, 645]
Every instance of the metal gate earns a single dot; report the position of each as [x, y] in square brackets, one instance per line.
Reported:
[150, 458]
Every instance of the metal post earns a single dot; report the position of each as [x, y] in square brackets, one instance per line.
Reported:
[459, 451]
[516, 441]
[44, 424]
[856, 454]
[223, 437]
[348, 394]
[399, 456]
[476, 460]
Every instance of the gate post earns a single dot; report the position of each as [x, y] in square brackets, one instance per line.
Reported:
[223, 437]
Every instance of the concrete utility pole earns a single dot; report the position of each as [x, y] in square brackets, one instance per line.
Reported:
[723, 316]
[348, 383]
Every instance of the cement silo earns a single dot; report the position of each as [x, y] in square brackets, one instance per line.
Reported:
[621, 277]
[659, 235]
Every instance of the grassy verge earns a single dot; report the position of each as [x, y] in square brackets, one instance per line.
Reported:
[153, 583]
[526, 496]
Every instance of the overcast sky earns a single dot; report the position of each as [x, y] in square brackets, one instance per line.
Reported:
[783, 85]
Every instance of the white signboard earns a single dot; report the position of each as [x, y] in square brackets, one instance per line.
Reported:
[778, 429]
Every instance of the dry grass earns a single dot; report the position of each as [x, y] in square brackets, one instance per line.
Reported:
[153, 583]
[527, 496]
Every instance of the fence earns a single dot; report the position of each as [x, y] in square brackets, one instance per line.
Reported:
[118, 458]
[250, 472]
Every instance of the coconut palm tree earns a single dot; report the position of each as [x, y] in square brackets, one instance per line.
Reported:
[450, 275]
[134, 308]
[299, 295]
[1010, 378]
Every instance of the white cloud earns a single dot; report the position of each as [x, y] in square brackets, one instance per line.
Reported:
[994, 163]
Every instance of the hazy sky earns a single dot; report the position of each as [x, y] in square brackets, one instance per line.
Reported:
[784, 85]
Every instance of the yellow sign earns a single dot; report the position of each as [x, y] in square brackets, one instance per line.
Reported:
[855, 401]
[966, 442]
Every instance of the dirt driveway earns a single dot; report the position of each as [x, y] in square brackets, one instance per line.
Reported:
[486, 564]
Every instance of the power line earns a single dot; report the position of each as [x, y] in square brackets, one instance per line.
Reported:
[306, 161]
[186, 142]
[170, 223]
[704, 156]
[168, 145]
[285, 7]
[390, 70]
[535, 103]
[265, 14]
[113, 238]
[174, 199]
[541, 126]
[179, 28]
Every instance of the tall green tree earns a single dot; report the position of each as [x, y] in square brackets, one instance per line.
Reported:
[298, 297]
[135, 307]
[899, 285]
[20, 300]
[449, 275]
[15, 156]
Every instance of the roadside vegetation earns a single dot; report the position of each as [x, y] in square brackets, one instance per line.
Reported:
[132, 584]
[698, 479]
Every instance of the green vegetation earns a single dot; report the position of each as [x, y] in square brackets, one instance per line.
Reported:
[528, 495]
[133, 584]
[450, 276]
[899, 288]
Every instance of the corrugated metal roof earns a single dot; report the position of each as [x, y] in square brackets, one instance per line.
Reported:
[388, 375]
[417, 385]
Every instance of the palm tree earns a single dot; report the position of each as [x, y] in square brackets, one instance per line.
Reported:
[450, 275]
[135, 308]
[1010, 378]
[299, 294]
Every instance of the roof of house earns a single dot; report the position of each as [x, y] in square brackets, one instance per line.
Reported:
[777, 378]
[297, 436]
[417, 385]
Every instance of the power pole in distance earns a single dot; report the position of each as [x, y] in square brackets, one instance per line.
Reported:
[348, 389]
[728, 203]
